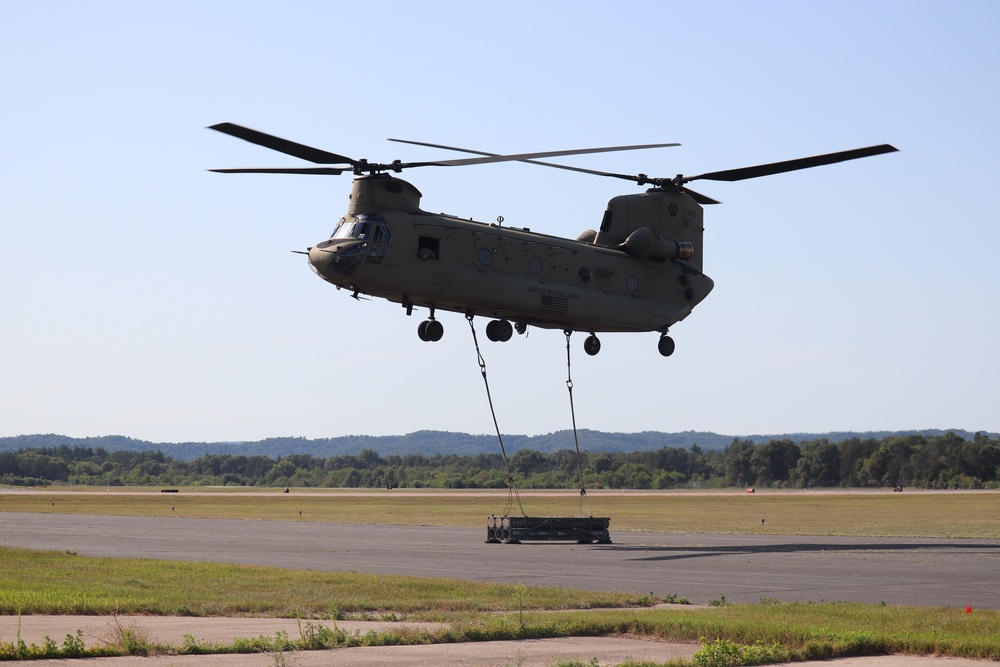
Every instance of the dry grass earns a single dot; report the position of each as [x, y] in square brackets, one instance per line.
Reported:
[883, 513]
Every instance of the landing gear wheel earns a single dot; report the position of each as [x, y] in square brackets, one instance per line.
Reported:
[434, 331]
[499, 330]
[520, 328]
[666, 345]
[430, 331]
[592, 345]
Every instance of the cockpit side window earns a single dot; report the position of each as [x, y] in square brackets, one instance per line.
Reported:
[379, 245]
[381, 235]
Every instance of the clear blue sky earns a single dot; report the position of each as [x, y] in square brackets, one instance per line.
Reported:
[142, 295]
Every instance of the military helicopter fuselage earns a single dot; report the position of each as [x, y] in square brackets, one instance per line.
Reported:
[640, 272]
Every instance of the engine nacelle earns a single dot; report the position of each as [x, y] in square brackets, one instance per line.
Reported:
[645, 244]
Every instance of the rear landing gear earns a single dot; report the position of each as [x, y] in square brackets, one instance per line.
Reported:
[666, 345]
[592, 345]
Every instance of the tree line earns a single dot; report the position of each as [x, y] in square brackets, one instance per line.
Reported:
[942, 461]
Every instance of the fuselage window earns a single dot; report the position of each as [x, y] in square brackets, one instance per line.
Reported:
[428, 247]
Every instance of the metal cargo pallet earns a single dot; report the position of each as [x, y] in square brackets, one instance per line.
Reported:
[516, 529]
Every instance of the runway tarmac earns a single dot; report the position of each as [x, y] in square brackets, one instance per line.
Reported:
[700, 567]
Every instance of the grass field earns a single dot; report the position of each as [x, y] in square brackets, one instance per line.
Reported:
[876, 514]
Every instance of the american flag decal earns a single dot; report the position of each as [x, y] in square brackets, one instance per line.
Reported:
[554, 305]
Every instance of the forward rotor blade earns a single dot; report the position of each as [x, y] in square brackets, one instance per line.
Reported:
[697, 196]
[499, 158]
[790, 165]
[282, 145]
[519, 157]
[321, 171]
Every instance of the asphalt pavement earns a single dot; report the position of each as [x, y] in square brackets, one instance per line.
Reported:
[699, 567]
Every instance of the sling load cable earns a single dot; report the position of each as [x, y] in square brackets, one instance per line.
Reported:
[576, 440]
[512, 493]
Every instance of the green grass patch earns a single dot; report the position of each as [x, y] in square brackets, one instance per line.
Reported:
[819, 630]
[799, 630]
[52, 582]
[879, 514]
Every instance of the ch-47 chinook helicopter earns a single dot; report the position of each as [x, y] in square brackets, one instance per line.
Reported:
[641, 271]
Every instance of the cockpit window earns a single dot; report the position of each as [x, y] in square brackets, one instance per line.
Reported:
[349, 229]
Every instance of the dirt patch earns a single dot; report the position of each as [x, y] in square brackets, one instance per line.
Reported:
[174, 631]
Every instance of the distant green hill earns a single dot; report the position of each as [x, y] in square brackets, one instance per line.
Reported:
[431, 443]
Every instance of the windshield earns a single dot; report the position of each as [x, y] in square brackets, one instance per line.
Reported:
[349, 229]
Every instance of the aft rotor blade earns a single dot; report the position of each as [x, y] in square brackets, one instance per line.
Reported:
[447, 148]
[321, 171]
[790, 165]
[700, 198]
[285, 146]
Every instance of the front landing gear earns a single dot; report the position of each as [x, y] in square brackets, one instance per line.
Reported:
[499, 331]
[592, 345]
